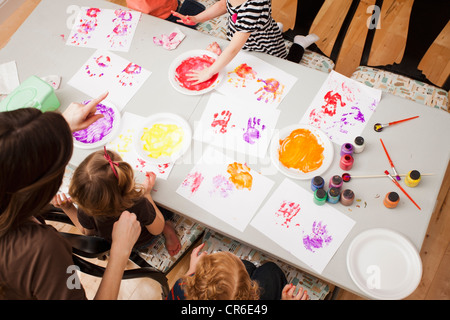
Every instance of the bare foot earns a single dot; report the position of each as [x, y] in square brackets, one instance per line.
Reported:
[173, 244]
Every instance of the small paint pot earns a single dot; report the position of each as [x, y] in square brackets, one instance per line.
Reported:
[346, 162]
[358, 144]
[347, 148]
[317, 183]
[346, 177]
[412, 179]
[333, 195]
[391, 200]
[347, 197]
[320, 197]
[336, 182]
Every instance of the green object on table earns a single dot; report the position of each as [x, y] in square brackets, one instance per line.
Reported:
[33, 92]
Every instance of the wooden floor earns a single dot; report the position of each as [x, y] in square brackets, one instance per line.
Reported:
[387, 48]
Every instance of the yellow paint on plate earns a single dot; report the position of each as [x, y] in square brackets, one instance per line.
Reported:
[162, 140]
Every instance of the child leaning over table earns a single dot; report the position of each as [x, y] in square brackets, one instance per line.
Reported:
[250, 27]
[103, 186]
[223, 276]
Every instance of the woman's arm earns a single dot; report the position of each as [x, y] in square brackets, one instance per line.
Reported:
[124, 235]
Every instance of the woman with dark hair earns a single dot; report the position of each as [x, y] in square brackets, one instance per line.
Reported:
[35, 148]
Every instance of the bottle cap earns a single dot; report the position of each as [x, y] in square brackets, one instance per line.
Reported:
[393, 196]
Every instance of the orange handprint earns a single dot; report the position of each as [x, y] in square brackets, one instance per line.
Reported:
[240, 175]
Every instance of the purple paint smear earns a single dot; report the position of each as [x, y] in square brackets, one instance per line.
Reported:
[222, 185]
[318, 238]
[253, 131]
[99, 129]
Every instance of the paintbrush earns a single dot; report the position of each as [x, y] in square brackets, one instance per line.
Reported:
[378, 127]
[346, 177]
[403, 190]
[390, 161]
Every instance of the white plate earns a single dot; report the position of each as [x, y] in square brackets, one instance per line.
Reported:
[189, 54]
[296, 173]
[111, 135]
[163, 118]
[384, 264]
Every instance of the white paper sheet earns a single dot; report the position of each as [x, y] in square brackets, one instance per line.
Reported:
[252, 80]
[9, 79]
[342, 108]
[235, 126]
[225, 188]
[106, 71]
[104, 29]
[310, 232]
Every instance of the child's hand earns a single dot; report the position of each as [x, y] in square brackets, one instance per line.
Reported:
[199, 76]
[149, 183]
[61, 201]
[195, 257]
[187, 20]
[288, 293]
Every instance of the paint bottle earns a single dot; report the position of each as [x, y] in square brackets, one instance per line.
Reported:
[346, 162]
[336, 182]
[347, 148]
[347, 197]
[391, 200]
[413, 178]
[317, 183]
[358, 144]
[333, 195]
[320, 197]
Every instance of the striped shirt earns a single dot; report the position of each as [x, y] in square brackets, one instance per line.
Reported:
[255, 17]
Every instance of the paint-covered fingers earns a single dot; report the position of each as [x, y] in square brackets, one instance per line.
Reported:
[150, 179]
[187, 20]
[80, 116]
[199, 76]
[288, 293]
[61, 201]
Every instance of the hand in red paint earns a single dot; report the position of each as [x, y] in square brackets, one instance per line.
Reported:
[187, 20]
[199, 76]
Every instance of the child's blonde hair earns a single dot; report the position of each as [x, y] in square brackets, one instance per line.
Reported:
[220, 276]
[97, 190]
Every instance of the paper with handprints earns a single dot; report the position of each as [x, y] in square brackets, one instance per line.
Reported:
[342, 108]
[235, 126]
[226, 188]
[252, 80]
[106, 71]
[104, 29]
[310, 232]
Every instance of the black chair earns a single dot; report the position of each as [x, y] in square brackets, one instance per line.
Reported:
[97, 247]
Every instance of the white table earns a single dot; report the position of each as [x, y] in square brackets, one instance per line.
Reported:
[39, 48]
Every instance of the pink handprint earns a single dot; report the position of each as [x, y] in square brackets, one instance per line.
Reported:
[288, 210]
[253, 131]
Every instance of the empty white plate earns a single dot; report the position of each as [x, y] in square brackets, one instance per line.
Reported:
[384, 264]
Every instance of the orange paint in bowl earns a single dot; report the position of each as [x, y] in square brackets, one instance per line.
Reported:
[301, 150]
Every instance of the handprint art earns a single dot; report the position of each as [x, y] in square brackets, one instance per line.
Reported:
[85, 27]
[287, 211]
[128, 75]
[220, 122]
[253, 131]
[271, 91]
[244, 73]
[318, 238]
[240, 175]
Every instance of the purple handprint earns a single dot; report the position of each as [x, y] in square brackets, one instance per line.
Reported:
[254, 129]
[317, 238]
